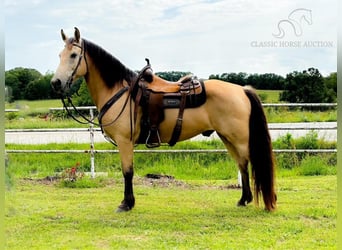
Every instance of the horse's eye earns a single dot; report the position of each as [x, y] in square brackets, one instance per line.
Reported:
[73, 55]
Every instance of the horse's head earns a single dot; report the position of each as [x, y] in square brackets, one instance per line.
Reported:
[72, 64]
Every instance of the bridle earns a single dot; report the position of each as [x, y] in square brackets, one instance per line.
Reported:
[71, 77]
[69, 82]
[109, 103]
[131, 89]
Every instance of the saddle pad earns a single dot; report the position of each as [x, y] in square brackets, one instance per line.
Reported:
[171, 100]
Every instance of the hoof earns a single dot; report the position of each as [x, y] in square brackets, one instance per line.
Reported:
[120, 210]
[123, 208]
[244, 202]
[241, 204]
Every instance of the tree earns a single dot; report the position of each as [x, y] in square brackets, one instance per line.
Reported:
[82, 96]
[18, 79]
[307, 86]
[12, 82]
[40, 89]
[172, 76]
[331, 83]
[270, 81]
[237, 78]
[263, 81]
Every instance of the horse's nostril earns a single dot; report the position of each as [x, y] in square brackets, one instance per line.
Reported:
[56, 84]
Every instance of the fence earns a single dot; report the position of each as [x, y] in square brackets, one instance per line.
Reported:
[91, 130]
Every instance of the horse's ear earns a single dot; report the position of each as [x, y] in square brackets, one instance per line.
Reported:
[77, 35]
[63, 35]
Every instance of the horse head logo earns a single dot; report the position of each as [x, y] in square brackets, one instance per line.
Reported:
[295, 20]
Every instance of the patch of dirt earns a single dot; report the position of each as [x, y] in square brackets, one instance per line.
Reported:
[157, 180]
[153, 180]
[231, 186]
[48, 180]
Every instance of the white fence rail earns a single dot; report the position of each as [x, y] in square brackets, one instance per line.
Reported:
[299, 105]
[92, 151]
[264, 105]
[171, 151]
[272, 126]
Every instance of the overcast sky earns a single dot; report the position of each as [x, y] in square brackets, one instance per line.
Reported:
[204, 37]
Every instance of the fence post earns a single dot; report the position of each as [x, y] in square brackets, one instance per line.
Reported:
[92, 148]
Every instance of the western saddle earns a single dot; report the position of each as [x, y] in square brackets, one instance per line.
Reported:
[155, 94]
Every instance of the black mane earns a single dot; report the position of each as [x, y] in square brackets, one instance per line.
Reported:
[110, 68]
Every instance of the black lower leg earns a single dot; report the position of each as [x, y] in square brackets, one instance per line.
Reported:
[247, 196]
[129, 200]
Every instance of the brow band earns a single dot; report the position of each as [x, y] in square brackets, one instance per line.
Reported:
[79, 46]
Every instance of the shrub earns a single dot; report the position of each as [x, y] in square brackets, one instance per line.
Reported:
[284, 142]
[309, 141]
[11, 115]
[263, 97]
[313, 165]
[306, 163]
[287, 160]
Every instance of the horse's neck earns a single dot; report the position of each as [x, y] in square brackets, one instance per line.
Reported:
[98, 90]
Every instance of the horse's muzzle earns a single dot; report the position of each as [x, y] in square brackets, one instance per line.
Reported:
[56, 85]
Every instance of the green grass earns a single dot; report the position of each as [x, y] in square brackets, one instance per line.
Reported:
[198, 215]
[195, 212]
[273, 116]
[269, 96]
[32, 114]
[40, 106]
[188, 166]
[215, 166]
[281, 115]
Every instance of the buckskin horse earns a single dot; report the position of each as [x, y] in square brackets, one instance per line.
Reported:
[234, 112]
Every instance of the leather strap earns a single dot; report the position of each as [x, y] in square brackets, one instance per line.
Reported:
[110, 102]
[136, 105]
[178, 128]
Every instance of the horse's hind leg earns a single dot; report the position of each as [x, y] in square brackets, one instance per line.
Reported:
[247, 196]
[240, 157]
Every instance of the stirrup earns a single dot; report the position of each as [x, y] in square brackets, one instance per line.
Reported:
[153, 144]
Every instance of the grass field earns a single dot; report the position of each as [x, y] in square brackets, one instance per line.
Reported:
[214, 166]
[196, 210]
[175, 215]
[41, 106]
[32, 113]
[271, 96]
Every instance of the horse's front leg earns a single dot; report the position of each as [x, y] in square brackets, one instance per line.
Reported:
[126, 156]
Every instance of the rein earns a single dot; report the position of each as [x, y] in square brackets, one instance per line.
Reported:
[104, 108]
[102, 111]
[133, 92]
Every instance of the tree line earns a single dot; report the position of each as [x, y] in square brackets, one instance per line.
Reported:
[269, 81]
[298, 86]
[29, 84]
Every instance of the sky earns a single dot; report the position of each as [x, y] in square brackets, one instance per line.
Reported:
[200, 36]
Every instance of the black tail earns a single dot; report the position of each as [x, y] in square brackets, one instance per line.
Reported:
[261, 155]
